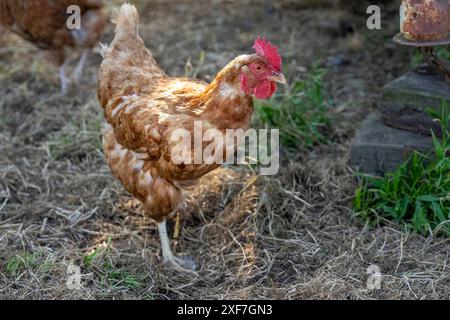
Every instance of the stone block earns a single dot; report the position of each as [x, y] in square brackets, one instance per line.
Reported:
[378, 149]
[416, 90]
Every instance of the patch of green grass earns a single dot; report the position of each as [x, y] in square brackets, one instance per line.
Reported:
[48, 265]
[38, 261]
[300, 114]
[101, 263]
[118, 277]
[148, 296]
[80, 135]
[417, 193]
[20, 262]
[98, 252]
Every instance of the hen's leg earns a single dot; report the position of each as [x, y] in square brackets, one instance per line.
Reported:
[63, 78]
[168, 256]
[79, 69]
[177, 230]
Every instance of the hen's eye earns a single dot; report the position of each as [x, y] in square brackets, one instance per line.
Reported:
[258, 68]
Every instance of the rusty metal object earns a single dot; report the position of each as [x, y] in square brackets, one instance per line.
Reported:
[426, 24]
[427, 49]
[425, 20]
[401, 39]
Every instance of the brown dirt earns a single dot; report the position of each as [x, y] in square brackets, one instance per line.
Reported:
[290, 236]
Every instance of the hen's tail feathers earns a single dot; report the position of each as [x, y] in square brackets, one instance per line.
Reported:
[127, 47]
[127, 21]
[126, 38]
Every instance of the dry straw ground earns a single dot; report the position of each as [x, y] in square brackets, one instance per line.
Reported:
[291, 236]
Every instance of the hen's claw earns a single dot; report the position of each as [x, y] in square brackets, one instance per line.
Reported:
[183, 265]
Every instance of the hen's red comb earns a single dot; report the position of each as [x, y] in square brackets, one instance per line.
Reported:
[267, 50]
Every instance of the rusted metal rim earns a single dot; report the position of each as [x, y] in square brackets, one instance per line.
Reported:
[400, 39]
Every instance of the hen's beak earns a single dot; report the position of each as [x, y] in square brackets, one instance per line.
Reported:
[278, 77]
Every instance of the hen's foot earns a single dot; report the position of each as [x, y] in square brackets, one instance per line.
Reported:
[168, 257]
[183, 265]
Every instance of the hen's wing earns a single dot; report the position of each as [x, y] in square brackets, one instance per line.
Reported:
[129, 79]
[144, 110]
[143, 105]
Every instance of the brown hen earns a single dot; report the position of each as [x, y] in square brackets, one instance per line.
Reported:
[145, 108]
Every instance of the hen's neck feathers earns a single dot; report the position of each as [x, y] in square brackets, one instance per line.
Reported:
[225, 105]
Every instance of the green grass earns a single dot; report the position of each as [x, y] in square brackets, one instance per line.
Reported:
[116, 277]
[99, 261]
[417, 194]
[98, 253]
[80, 135]
[20, 262]
[29, 260]
[300, 114]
